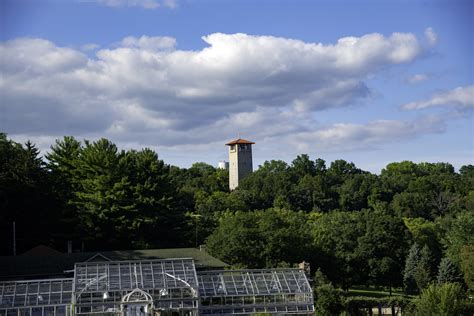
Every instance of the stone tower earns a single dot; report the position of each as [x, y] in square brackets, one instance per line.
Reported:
[240, 161]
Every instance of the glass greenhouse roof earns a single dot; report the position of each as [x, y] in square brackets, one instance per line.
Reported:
[129, 275]
[244, 292]
[35, 293]
[252, 282]
[109, 287]
[112, 287]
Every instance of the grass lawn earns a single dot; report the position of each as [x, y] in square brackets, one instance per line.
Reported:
[373, 291]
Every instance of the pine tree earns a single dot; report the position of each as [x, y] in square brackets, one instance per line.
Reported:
[410, 269]
[447, 271]
[103, 197]
[62, 165]
[423, 268]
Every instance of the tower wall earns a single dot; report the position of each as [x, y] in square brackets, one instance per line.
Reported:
[240, 163]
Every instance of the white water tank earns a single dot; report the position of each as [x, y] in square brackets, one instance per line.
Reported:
[223, 165]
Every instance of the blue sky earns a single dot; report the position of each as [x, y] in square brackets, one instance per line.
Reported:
[367, 81]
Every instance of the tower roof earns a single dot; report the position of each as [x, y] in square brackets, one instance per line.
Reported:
[239, 141]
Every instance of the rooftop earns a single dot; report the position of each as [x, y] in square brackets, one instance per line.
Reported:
[239, 141]
[55, 264]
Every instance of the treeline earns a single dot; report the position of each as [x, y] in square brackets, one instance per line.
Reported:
[399, 228]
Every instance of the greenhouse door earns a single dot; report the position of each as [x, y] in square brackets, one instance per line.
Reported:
[136, 310]
[137, 303]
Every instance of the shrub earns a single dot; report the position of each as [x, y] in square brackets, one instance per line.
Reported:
[329, 300]
[441, 299]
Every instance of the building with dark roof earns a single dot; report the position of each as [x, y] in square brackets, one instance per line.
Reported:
[43, 261]
[185, 281]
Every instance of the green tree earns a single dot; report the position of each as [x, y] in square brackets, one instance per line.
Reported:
[320, 278]
[320, 166]
[210, 207]
[423, 270]
[354, 192]
[467, 264]
[382, 247]
[104, 197]
[411, 264]
[282, 230]
[237, 240]
[271, 181]
[398, 175]
[312, 194]
[467, 170]
[444, 299]
[62, 163]
[447, 271]
[425, 232]
[261, 238]
[26, 197]
[459, 234]
[335, 237]
[302, 166]
[328, 300]
[155, 219]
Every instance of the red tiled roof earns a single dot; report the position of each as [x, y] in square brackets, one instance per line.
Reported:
[239, 141]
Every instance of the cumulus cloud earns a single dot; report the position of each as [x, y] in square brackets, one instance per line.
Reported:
[147, 4]
[89, 47]
[460, 98]
[147, 91]
[170, 3]
[417, 78]
[37, 57]
[431, 36]
[349, 136]
[149, 43]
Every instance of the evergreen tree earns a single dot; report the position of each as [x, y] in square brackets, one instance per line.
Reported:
[423, 268]
[25, 197]
[62, 164]
[410, 269]
[103, 198]
[447, 271]
[156, 218]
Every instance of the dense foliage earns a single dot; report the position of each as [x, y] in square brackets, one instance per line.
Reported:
[355, 226]
[442, 299]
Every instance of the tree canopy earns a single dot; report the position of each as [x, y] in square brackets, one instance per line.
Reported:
[356, 227]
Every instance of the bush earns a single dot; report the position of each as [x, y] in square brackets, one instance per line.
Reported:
[442, 299]
[329, 300]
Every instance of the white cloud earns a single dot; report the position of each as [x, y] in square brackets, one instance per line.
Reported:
[149, 42]
[170, 3]
[146, 4]
[417, 78]
[37, 57]
[431, 36]
[460, 97]
[89, 47]
[349, 136]
[146, 91]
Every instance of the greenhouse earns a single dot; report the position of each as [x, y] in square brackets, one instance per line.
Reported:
[159, 287]
[243, 292]
[36, 297]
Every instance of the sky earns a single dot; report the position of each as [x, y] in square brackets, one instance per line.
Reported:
[371, 82]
